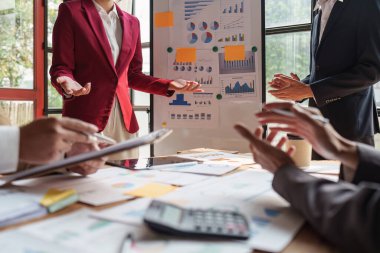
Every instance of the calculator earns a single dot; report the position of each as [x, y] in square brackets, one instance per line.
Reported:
[174, 220]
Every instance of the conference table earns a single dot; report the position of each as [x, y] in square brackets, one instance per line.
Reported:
[306, 240]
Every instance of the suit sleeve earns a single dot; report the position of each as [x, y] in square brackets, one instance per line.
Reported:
[139, 81]
[63, 63]
[369, 165]
[367, 70]
[345, 214]
[306, 80]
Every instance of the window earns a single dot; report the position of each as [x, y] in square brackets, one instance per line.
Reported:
[21, 60]
[288, 26]
[141, 100]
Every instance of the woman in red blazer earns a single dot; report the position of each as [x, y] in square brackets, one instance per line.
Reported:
[93, 79]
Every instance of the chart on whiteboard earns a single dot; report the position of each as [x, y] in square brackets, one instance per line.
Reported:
[211, 42]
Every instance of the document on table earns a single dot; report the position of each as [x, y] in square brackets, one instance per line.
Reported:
[244, 185]
[110, 185]
[18, 206]
[250, 192]
[77, 232]
[187, 246]
[214, 169]
[219, 157]
[129, 213]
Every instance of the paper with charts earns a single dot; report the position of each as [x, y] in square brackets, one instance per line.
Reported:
[111, 184]
[75, 232]
[212, 42]
[273, 223]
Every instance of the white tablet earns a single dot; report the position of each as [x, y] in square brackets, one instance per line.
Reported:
[125, 145]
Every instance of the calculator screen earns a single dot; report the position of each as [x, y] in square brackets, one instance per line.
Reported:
[171, 215]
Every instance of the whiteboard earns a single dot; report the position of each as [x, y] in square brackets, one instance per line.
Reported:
[234, 88]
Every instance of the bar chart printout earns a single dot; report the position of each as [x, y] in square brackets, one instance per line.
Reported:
[234, 67]
[194, 7]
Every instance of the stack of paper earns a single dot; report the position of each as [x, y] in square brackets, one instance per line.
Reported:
[55, 200]
[18, 206]
[75, 232]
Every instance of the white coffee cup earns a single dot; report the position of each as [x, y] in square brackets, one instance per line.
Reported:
[302, 156]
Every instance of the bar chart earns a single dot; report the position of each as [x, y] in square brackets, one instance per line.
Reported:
[194, 7]
[234, 8]
[180, 101]
[233, 67]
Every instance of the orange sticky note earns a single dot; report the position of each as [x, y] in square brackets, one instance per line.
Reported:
[186, 54]
[152, 190]
[234, 53]
[164, 19]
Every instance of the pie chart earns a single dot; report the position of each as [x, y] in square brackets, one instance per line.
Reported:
[207, 37]
[192, 38]
[190, 26]
[203, 26]
[214, 26]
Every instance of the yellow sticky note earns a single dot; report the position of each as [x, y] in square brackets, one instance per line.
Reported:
[164, 19]
[151, 190]
[187, 54]
[54, 195]
[234, 53]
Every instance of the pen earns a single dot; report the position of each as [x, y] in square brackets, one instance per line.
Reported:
[96, 137]
[127, 244]
[291, 114]
[105, 139]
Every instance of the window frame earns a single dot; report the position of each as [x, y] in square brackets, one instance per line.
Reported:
[36, 95]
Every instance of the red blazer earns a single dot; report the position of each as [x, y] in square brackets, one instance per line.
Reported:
[82, 52]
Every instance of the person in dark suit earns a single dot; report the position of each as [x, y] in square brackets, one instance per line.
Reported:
[346, 214]
[345, 63]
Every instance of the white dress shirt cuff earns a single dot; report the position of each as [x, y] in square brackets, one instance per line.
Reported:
[9, 148]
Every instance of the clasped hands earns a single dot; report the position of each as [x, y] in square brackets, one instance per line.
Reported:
[73, 88]
[289, 88]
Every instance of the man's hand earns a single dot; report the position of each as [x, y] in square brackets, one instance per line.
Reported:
[290, 88]
[184, 86]
[73, 88]
[89, 167]
[269, 157]
[46, 140]
[278, 83]
[324, 139]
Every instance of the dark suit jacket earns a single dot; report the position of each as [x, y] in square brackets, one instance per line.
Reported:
[345, 214]
[345, 65]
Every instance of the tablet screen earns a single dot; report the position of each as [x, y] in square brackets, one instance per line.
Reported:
[146, 163]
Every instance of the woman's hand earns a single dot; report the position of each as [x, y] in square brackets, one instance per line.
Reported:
[185, 86]
[73, 88]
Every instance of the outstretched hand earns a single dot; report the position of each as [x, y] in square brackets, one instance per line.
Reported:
[269, 157]
[185, 86]
[72, 87]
